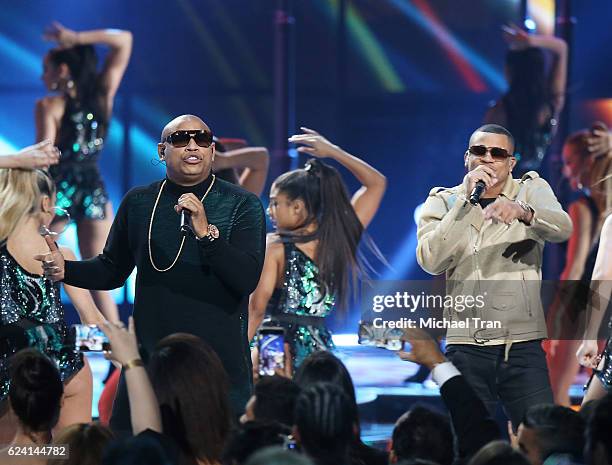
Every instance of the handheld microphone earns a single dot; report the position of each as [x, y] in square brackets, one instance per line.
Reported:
[185, 217]
[477, 192]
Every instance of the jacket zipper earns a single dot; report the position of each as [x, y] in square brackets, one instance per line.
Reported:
[526, 295]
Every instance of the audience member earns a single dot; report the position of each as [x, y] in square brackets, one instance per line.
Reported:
[324, 366]
[551, 430]
[498, 453]
[85, 443]
[324, 424]
[273, 400]
[35, 398]
[278, 456]
[424, 434]
[253, 436]
[138, 450]
[192, 388]
[473, 427]
[598, 446]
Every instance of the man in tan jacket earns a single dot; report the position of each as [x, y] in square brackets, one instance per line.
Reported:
[491, 249]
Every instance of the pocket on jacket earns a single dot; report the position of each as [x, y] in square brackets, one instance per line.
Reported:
[503, 302]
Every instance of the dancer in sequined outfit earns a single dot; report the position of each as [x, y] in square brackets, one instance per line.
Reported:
[601, 382]
[78, 120]
[31, 312]
[581, 164]
[313, 255]
[599, 304]
[535, 96]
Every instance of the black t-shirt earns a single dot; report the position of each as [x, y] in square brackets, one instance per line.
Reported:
[485, 202]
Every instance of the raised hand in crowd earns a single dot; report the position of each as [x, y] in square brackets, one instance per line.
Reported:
[144, 409]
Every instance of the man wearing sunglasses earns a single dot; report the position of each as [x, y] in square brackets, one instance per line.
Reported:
[491, 248]
[196, 279]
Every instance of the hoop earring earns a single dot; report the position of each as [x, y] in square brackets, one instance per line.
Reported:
[157, 161]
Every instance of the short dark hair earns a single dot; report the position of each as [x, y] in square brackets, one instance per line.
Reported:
[495, 129]
[275, 398]
[498, 453]
[251, 437]
[598, 428]
[559, 430]
[36, 390]
[425, 434]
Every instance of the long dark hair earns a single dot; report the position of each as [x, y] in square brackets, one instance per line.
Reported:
[339, 230]
[528, 95]
[82, 62]
[191, 386]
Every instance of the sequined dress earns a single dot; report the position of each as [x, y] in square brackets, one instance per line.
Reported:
[605, 374]
[301, 305]
[31, 315]
[80, 189]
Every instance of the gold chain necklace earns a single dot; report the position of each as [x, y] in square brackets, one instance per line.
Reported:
[182, 240]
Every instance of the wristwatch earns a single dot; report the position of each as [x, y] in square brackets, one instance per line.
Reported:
[525, 207]
[212, 233]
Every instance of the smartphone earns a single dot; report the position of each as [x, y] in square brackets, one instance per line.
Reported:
[89, 338]
[271, 343]
[290, 443]
[384, 338]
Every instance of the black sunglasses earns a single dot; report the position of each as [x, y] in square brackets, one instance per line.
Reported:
[497, 153]
[182, 138]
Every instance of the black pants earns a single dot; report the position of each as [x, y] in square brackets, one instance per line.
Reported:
[518, 383]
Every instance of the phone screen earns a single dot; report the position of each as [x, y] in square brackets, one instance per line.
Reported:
[89, 338]
[271, 350]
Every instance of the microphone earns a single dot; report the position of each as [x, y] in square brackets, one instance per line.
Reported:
[185, 217]
[477, 192]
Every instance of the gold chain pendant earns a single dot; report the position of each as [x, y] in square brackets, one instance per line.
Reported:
[182, 240]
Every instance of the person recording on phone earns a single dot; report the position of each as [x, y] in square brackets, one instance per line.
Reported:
[487, 234]
[194, 278]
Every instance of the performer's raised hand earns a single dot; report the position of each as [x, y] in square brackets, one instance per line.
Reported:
[515, 37]
[53, 263]
[600, 140]
[64, 37]
[199, 221]
[314, 143]
[506, 211]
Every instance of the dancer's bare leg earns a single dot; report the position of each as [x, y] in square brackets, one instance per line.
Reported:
[78, 395]
[563, 368]
[595, 391]
[92, 236]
